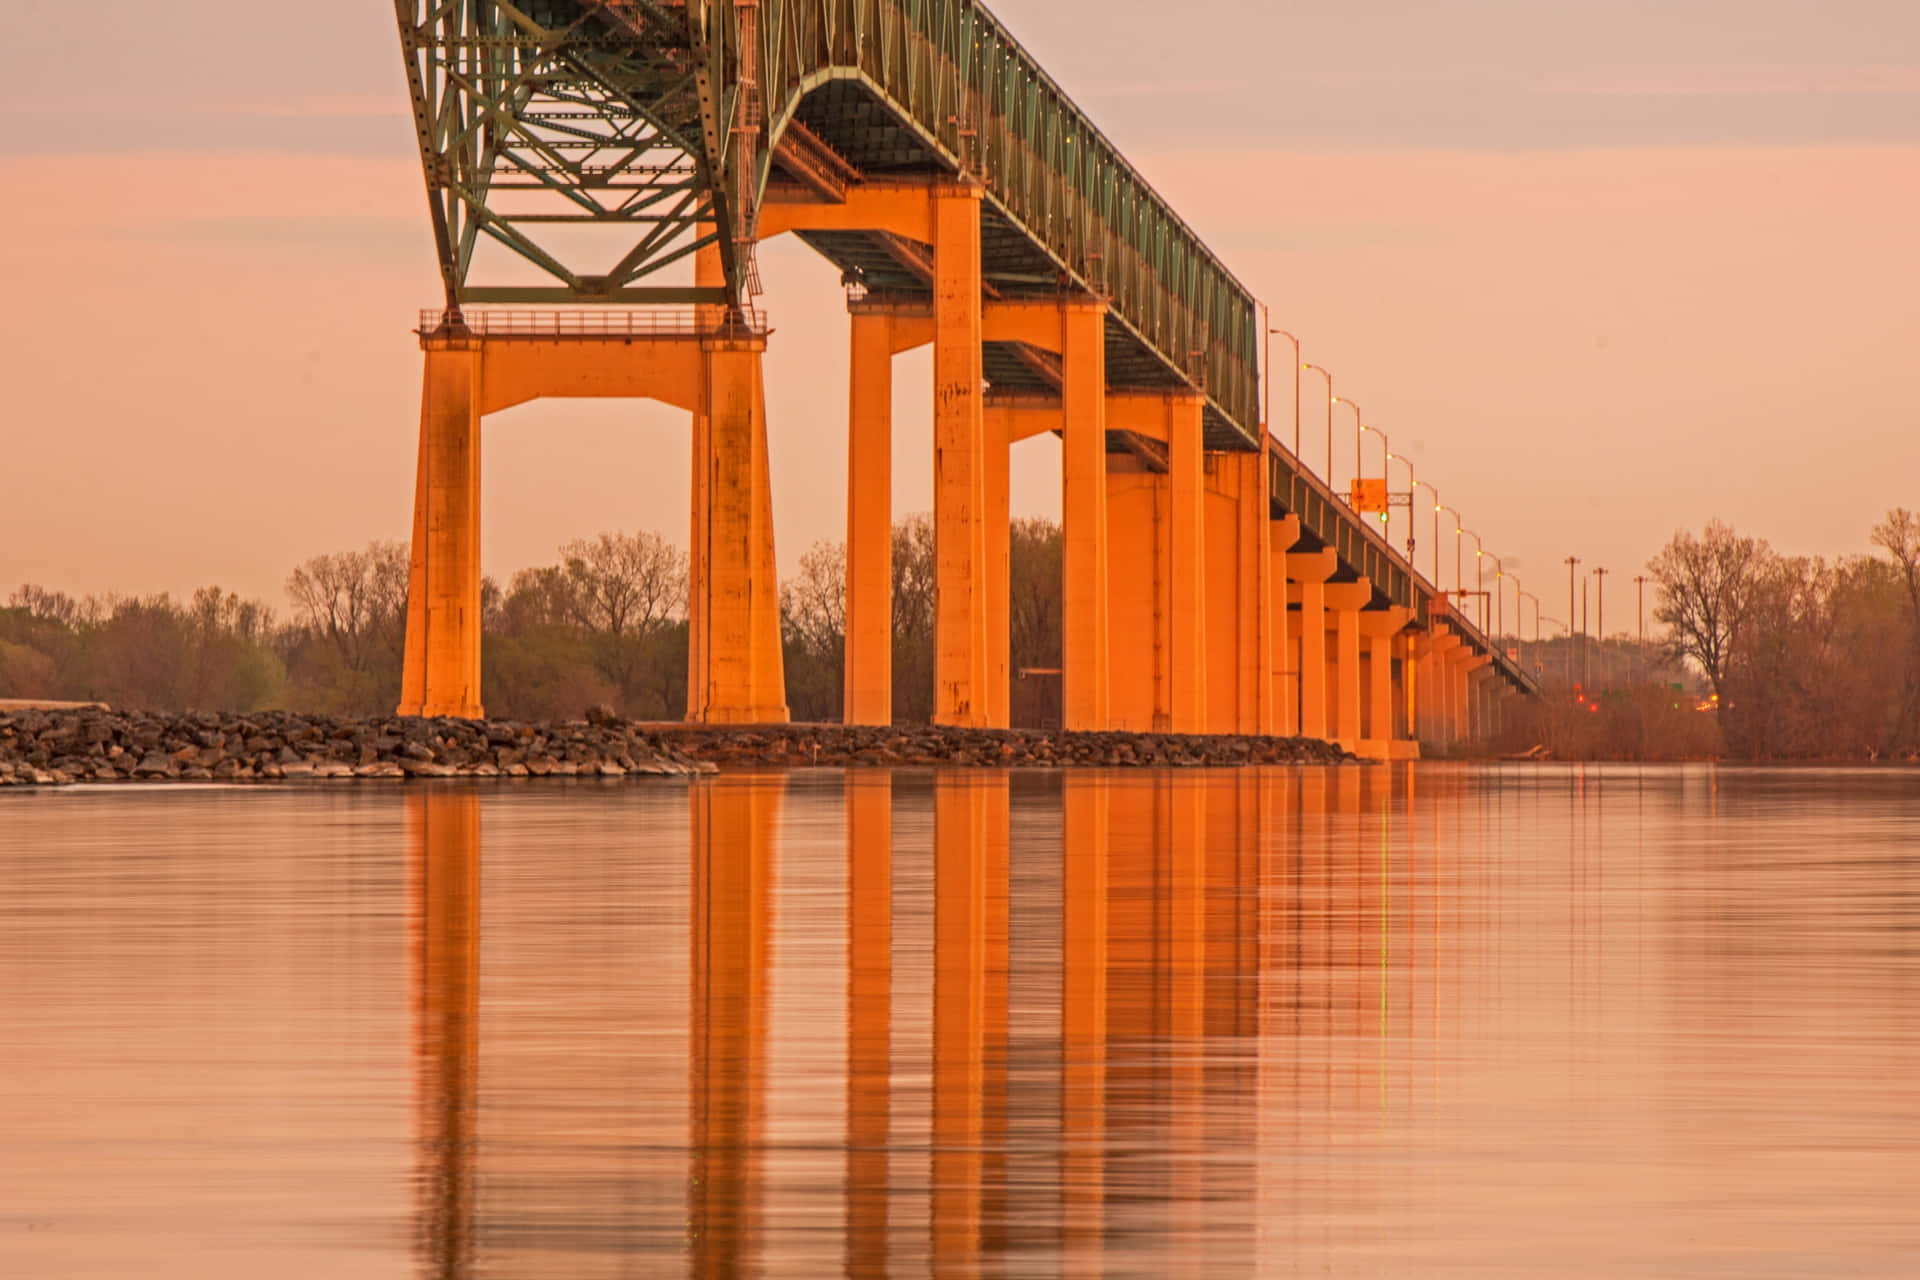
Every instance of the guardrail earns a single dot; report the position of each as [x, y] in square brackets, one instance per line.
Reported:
[590, 322]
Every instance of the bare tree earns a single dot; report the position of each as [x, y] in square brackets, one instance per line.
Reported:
[813, 627]
[351, 608]
[1034, 591]
[914, 591]
[1706, 585]
[1899, 536]
[357, 600]
[55, 606]
[625, 590]
[625, 584]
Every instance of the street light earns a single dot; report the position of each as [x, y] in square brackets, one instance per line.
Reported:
[1330, 398]
[1640, 604]
[1573, 562]
[1456, 547]
[1412, 484]
[1479, 553]
[1499, 593]
[1296, 384]
[1600, 623]
[1520, 617]
[1422, 484]
[1358, 427]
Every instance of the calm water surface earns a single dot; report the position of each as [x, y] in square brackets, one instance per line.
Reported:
[1426, 1021]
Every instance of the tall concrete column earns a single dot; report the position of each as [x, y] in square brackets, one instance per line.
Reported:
[441, 671]
[1458, 716]
[1140, 682]
[1379, 632]
[1440, 700]
[1188, 558]
[1417, 672]
[1479, 678]
[997, 515]
[1282, 534]
[1085, 609]
[1310, 572]
[1346, 600]
[960, 511]
[738, 673]
[1253, 644]
[869, 659]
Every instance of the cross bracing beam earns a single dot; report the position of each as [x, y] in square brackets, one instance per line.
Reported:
[671, 115]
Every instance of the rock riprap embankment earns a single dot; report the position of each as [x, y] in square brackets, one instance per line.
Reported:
[791, 745]
[60, 747]
[52, 748]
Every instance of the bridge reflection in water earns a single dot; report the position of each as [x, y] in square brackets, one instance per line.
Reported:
[955, 1023]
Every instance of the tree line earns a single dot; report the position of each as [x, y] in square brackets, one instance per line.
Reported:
[1794, 657]
[1807, 658]
[605, 624]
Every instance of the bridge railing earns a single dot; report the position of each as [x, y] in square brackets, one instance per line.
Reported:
[589, 322]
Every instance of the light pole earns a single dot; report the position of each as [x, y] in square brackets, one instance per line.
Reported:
[1478, 554]
[1329, 377]
[1422, 484]
[1586, 650]
[1499, 595]
[1640, 605]
[1456, 547]
[1600, 620]
[1412, 484]
[1520, 617]
[1358, 427]
[1572, 563]
[1296, 384]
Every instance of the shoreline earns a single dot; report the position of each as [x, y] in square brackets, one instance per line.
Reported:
[64, 746]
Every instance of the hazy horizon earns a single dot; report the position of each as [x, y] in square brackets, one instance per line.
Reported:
[1601, 276]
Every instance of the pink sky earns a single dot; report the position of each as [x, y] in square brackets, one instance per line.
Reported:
[1586, 346]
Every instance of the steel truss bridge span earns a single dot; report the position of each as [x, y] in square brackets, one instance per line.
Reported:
[615, 147]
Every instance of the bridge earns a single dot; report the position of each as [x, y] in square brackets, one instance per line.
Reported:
[616, 148]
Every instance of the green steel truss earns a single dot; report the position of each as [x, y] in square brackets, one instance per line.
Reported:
[664, 116]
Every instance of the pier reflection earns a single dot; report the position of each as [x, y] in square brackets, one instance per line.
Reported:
[957, 1023]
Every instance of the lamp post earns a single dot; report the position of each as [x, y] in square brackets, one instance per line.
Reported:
[1358, 427]
[1456, 547]
[1296, 384]
[1479, 553]
[1412, 484]
[1640, 605]
[1573, 562]
[1520, 615]
[1499, 595]
[1422, 484]
[1330, 398]
[1600, 621]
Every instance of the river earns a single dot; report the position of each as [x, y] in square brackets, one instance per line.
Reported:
[1429, 1020]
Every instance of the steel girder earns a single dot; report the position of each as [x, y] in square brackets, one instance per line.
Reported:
[534, 115]
[665, 114]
